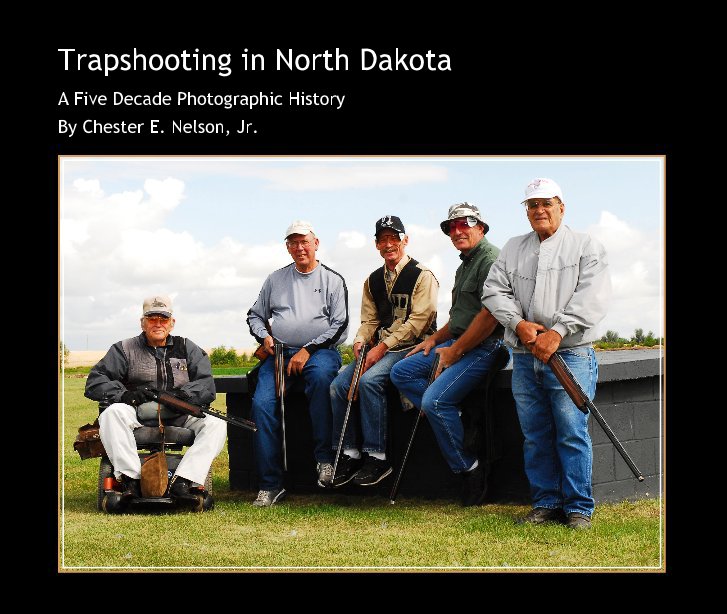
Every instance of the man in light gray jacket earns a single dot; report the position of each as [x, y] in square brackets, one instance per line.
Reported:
[549, 289]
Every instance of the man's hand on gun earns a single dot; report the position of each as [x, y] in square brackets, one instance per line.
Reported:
[137, 397]
[374, 355]
[268, 344]
[542, 342]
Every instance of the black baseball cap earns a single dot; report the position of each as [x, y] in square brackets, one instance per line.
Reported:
[389, 222]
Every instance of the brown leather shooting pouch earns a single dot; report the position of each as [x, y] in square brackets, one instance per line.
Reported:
[154, 470]
[154, 476]
[88, 442]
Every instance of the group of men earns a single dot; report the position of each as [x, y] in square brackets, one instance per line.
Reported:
[544, 292]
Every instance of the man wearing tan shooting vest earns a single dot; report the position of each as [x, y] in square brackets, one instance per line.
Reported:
[398, 310]
[121, 380]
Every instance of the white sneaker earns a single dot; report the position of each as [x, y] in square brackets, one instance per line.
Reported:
[325, 474]
[266, 498]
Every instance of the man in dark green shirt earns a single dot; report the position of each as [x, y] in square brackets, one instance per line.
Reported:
[467, 347]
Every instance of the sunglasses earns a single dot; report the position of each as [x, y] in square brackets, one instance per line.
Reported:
[461, 224]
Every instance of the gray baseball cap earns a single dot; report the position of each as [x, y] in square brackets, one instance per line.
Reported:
[159, 303]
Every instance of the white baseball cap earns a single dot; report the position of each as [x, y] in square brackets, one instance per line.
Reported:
[542, 187]
[299, 227]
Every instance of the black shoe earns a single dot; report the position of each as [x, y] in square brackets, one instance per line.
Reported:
[347, 468]
[131, 487]
[180, 487]
[372, 472]
[578, 521]
[474, 486]
[541, 515]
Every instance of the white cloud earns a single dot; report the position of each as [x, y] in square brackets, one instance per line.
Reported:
[118, 248]
[92, 187]
[352, 239]
[166, 194]
[339, 177]
[634, 258]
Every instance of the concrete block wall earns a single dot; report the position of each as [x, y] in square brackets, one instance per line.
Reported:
[628, 396]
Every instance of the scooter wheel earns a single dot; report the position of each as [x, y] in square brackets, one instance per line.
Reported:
[198, 503]
[208, 503]
[111, 503]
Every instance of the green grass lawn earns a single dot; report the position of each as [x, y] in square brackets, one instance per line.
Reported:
[331, 531]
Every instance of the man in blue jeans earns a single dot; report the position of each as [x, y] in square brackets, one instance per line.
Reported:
[549, 288]
[306, 306]
[398, 310]
[467, 347]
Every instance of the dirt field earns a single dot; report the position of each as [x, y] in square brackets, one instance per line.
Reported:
[86, 358]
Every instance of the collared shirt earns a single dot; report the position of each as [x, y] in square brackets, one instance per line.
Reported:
[468, 282]
[562, 283]
[423, 309]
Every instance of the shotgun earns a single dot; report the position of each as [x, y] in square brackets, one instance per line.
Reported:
[185, 407]
[580, 398]
[358, 371]
[420, 413]
[280, 393]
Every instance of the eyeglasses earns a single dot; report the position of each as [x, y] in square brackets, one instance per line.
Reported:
[461, 225]
[158, 318]
[383, 239]
[296, 244]
[546, 204]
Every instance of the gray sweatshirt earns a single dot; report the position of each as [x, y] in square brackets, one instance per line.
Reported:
[308, 310]
[562, 283]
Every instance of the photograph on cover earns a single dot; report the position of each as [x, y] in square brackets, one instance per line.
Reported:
[193, 239]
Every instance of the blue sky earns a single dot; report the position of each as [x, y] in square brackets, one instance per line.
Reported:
[207, 230]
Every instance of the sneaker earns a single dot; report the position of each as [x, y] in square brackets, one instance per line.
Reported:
[132, 487]
[325, 474]
[578, 521]
[266, 498]
[474, 486]
[347, 468]
[541, 515]
[180, 487]
[372, 472]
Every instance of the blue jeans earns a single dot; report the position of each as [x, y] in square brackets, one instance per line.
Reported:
[440, 400]
[318, 373]
[557, 447]
[370, 421]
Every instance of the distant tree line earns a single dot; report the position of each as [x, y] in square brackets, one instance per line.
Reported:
[612, 340]
[227, 357]
[222, 356]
